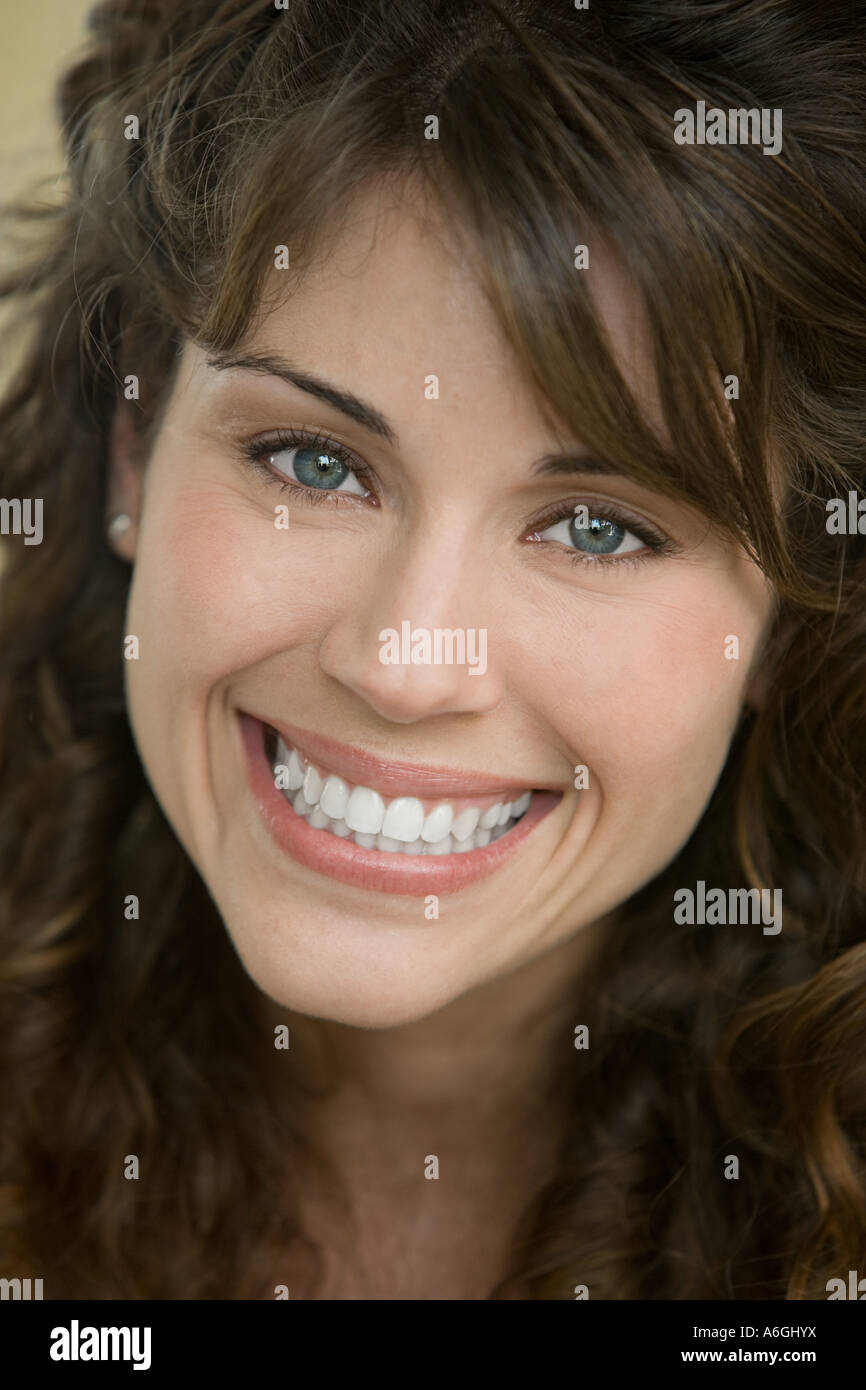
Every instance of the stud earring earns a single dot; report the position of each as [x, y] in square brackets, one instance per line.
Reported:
[118, 524]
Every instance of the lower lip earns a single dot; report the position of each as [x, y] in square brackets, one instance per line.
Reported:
[414, 875]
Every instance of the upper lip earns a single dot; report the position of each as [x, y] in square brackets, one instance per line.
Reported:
[395, 778]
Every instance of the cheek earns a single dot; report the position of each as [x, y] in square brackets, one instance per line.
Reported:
[646, 696]
[217, 587]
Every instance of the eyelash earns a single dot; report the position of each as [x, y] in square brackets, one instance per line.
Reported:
[656, 542]
[256, 452]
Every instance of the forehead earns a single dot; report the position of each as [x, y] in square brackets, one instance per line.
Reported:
[396, 293]
[391, 282]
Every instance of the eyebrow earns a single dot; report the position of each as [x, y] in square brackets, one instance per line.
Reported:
[267, 364]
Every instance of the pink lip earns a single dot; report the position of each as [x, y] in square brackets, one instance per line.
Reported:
[414, 875]
[391, 778]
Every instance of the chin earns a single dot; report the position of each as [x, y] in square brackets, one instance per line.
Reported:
[341, 989]
[354, 1007]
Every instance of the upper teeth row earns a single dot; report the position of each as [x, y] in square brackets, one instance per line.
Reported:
[329, 803]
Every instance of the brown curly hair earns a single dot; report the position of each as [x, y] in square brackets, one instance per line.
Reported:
[556, 126]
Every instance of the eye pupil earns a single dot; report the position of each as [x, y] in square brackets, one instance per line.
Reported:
[600, 537]
[312, 465]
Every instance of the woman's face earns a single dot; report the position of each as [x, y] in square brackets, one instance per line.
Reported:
[258, 606]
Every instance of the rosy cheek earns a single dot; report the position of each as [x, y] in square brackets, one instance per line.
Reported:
[648, 686]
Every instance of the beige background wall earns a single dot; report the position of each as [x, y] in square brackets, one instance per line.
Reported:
[37, 37]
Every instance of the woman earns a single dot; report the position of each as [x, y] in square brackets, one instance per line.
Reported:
[432, 830]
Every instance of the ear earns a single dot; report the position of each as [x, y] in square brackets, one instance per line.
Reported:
[123, 495]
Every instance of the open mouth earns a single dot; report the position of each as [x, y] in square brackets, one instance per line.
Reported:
[399, 825]
[314, 798]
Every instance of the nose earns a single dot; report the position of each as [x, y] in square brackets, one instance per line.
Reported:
[412, 641]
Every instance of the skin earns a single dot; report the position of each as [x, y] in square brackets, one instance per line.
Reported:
[441, 1030]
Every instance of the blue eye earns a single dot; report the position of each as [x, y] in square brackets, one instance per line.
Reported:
[309, 463]
[315, 467]
[601, 535]
[318, 468]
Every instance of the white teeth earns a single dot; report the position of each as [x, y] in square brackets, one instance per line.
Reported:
[384, 842]
[296, 771]
[438, 824]
[404, 819]
[334, 798]
[466, 823]
[491, 816]
[326, 802]
[312, 785]
[365, 811]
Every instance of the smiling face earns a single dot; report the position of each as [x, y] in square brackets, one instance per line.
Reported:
[284, 586]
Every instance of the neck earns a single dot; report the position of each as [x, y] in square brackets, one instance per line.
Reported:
[491, 1053]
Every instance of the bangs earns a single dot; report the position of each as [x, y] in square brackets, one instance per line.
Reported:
[531, 162]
